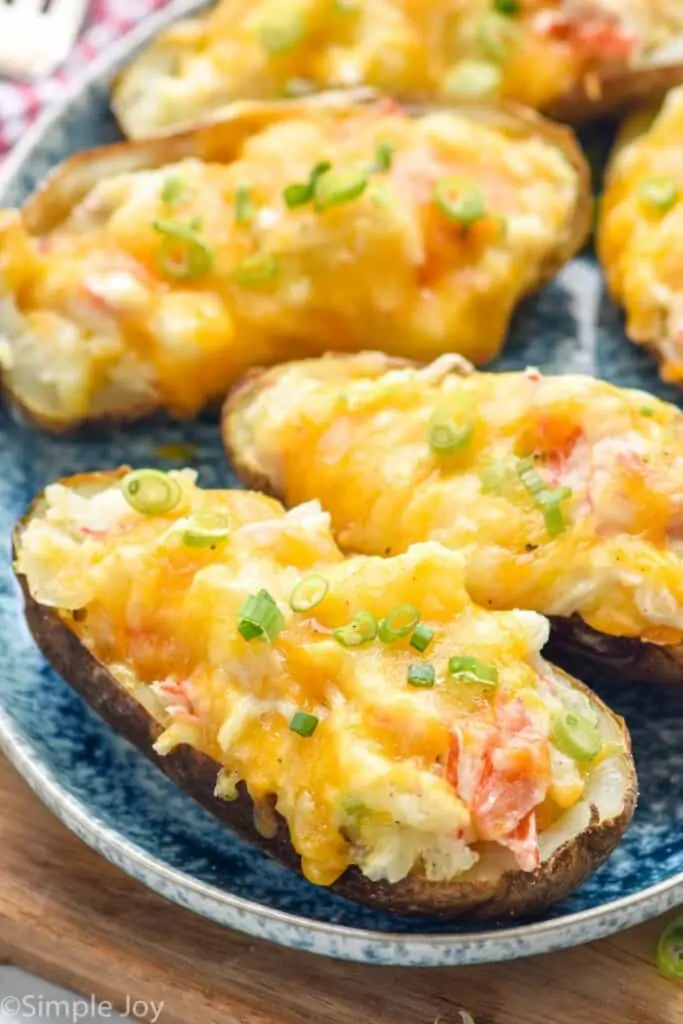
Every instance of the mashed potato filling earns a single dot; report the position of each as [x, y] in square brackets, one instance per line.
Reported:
[325, 231]
[366, 766]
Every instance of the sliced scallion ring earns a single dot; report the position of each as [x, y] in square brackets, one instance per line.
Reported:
[547, 500]
[257, 269]
[206, 530]
[446, 437]
[421, 673]
[334, 187]
[398, 622]
[384, 156]
[360, 630]
[244, 207]
[303, 724]
[472, 79]
[670, 950]
[577, 737]
[660, 194]
[182, 255]
[260, 617]
[308, 593]
[172, 189]
[508, 7]
[471, 670]
[422, 637]
[151, 492]
[460, 200]
[495, 33]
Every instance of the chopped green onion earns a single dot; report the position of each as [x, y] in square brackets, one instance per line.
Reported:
[471, 670]
[282, 29]
[506, 6]
[244, 207]
[206, 530]
[297, 195]
[548, 501]
[495, 34]
[421, 673]
[472, 79]
[401, 620]
[151, 492]
[257, 269]
[576, 737]
[308, 593]
[260, 617]
[303, 723]
[295, 87]
[360, 630]
[445, 437]
[182, 255]
[422, 637]
[334, 187]
[460, 200]
[659, 194]
[172, 189]
[670, 950]
[353, 806]
[646, 410]
[384, 156]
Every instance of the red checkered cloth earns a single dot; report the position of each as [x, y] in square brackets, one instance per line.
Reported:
[106, 21]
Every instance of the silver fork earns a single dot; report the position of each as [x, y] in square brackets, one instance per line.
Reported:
[37, 35]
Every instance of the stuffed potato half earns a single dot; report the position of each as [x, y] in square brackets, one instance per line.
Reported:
[575, 58]
[639, 239]
[563, 493]
[421, 757]
[150, 275]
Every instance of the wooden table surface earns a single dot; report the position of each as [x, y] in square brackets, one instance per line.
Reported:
[72, 918]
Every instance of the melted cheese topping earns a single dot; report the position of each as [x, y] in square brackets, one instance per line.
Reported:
[395, 779]
[92, 322]
[266, 48]
[618, 562]
[640, 243]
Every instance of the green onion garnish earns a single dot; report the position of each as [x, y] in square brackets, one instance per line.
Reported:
[183, 255]
[258, 269]
[260, 617]
[646, 410]
[472, 79]
[670, 950]
[308, 593]
[422, 637]
[244, 207]
[151, 492]
[460, 200]
[471, 670]
[548, 501]
[445, 437]
[576, 737]
[360, 630]
[172, 189]
[506, 6]
[334, 187]
[384, 156]
[297, 194]
[495, 34]
[282, 29]
[206, 530]
[303, 723]
[398, 622]
[421, 673]
[659, 194]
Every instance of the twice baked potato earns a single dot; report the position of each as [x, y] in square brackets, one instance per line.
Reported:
[563, 493]
[150, 275]
[640, 232]
[421, 758]
[575, 58]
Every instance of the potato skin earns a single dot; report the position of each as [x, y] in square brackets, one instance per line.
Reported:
[506, 895]
[612, 93]
[573, 644]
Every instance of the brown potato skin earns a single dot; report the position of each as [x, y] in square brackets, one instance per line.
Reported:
[613, 93]
[573, 644]
[512, 894]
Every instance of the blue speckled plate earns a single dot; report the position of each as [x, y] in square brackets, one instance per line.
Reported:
[123, 807]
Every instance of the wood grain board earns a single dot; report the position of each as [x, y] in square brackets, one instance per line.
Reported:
[72, 918]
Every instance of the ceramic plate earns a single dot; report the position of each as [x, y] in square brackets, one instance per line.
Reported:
[124, 808]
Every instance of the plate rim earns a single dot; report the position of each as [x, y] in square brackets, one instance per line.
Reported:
[335, 940]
